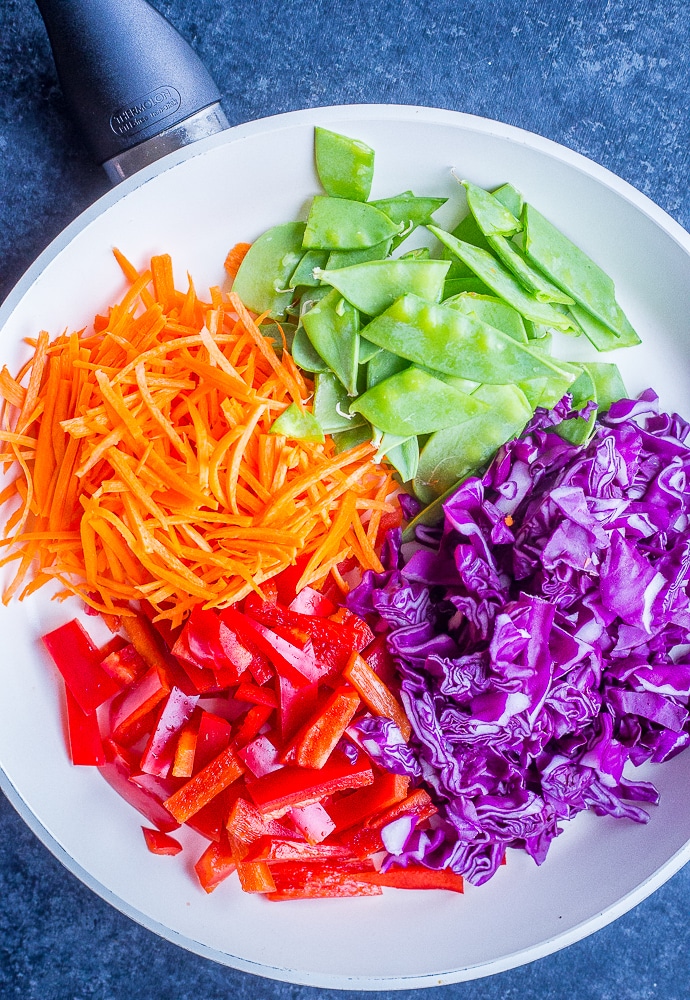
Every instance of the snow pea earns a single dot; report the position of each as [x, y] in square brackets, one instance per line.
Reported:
[493, 311]
[367, 350]
[452, 454]
[410, 211]
[373, 286]
[352, 437]
[469, 283]
[600, 335]
[332, 326]
[415, 402]
[511, 198]
[298, 424]
[493, 218]
[401, 452]
[578, 430]
[305, 355]
[608, 384]
[500, 280]
[528, 276]
[331, 405]
[345, 258]
[264, 275]
[419, 253]
[273, 332]
[343, 224]
[345, 166]
[442, 338]
[572, 270]
[304, 272]
[382, 365]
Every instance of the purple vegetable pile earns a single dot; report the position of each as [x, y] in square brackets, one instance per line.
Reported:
[542, 637]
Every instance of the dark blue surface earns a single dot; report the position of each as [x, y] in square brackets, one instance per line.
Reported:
[611, 81]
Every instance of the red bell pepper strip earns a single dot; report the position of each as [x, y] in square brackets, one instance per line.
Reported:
[256, 695]
[317, 740]
[255, 876]
[356, 807]
[213, 736]
[78, 661]
[379, 658]
[239, 644]
[274, 849]
[281, 790]
[343, 616]
[260, 756]
[312, 821]
[200, 644]
[375, 694]
[253, 722]
[185, 751]
[160, 749]
[210, 822]
[161, 843]
[204, 786]
[133, 705]
[118, 771]
[365, 839]
[321, 879]
[415, 877]
[85, 744]
[148, 642]
[311, 602]
[124, 665]
[113, 645]
[246, 824]
[298, 665]
[214, 866]
[296, 703]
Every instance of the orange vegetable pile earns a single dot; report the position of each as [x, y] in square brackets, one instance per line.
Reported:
[145, 468]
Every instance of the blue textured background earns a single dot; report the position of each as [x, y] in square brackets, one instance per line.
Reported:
[610, 80]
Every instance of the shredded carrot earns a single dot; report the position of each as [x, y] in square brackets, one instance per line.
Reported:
[235, 258]
[141, 465]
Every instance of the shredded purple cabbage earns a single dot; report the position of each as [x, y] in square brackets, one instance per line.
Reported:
[542, 637]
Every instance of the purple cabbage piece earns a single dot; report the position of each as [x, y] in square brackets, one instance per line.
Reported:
[542, 637]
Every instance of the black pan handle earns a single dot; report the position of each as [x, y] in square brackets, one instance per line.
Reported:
[133, 85]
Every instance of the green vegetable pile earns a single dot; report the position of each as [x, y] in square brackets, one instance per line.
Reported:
[439, 360]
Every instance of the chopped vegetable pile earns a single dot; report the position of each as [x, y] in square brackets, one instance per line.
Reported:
[542, 636]
[244, 725]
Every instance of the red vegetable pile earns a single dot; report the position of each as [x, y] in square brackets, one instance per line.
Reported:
[243, 726]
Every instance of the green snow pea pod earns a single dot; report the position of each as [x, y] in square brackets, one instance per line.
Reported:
[468, 231]
[414, 402]
[345, 258]
[298, 424]
[442, 338]
[367, 350]
[375, 285]
[572, 270]
[500, 280]
[452, 454]
[492, 217]
[332, 326]
[304, 353]
[383, 365]
[608, 384]
[352, 437]
[304, 272]
[470, 283]
[493, 311]
[345, 166]
[528, 276]
[262, 281]
[331, 405]
[272, 332]
[600, 335]
[342, 224]
[419, 253]
[410, 211]
[510, 198]
[401, 452]
[578, 430]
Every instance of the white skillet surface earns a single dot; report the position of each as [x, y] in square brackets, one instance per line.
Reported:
[195, 204]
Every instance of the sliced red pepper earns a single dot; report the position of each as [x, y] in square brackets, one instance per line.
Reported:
[85, 743]
[260, 756]
[379, 658]
[274, 849]
[317, 740]
[199, 650]
[312, 821]
[161, 843]
[210, 822]
[149, 644]
[297, 702]
[281, 790]
[134, 704]
[255, 876]
[213, 736]
[246, 824]
[298, 665]
[118, 771]
[203, 787]
[364, 634]
[113, 645]
[159, 753]
[255, 719]
[415, 877]
[356, 807]
[333, 642]
[124, 665]
[311, 602]
[375, 695]
[365, 839]
[321, 879]
[256, 695]
[240, 647]
[214, 865]
[78, 661]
